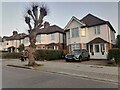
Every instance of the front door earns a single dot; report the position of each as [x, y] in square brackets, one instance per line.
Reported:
[97, 51]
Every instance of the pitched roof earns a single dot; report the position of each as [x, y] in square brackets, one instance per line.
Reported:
[15, 37]
[73, 18]
[97, 40]
[50, 29]
[91, 20]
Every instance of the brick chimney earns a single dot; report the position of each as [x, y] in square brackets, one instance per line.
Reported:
[46, 24]
[15, 32]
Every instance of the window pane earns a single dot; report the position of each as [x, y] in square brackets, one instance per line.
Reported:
[38, 38]
[75, 32]
[97, 29]
[52, 36]
[102, 47]
[91, 48]
[68, 35]
[75, 46]
[83, 32]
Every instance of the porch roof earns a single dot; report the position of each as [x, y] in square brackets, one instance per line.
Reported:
[97, 40]
[51, 44]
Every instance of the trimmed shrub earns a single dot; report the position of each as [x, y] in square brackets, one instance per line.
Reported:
[10, 55]
[49, 54]
[114, 53]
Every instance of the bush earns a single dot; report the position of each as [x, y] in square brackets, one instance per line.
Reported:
[114, 53]
[49, 54]
[10, 55]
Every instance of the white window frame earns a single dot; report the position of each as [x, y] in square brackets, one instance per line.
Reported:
[83, 32]
[52, 36]
[97, 30]
[74, 30]
[102, 47]
[38, 38]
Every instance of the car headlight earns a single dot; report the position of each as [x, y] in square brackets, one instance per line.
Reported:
[77, 56]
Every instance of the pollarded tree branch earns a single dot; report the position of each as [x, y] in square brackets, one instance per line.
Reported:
[35, 11]
[30, 13]
[27, 20]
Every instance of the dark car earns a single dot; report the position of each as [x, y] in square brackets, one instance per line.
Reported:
[77, 55]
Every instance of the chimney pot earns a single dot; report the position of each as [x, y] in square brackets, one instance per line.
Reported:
[15, 32]
[46, 24]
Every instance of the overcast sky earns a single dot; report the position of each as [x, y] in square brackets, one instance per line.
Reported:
[59, 13]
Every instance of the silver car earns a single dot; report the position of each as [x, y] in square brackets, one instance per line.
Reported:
[77, 55]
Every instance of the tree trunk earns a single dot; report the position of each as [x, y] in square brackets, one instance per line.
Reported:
[32, 49]
[31, 56]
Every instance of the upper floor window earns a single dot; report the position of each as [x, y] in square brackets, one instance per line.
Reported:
[75, 32]
[97, 29]
[52, 36]
[83, 32]
[38, 38]
[26, 40]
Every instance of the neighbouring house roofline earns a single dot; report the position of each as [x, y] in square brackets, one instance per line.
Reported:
[15, 37]
[73, 18]
[50, 30]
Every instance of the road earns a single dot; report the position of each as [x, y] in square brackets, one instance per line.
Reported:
[13, 77]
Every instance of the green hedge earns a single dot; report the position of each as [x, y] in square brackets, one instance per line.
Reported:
[114, 53]
[10, 55]
[49, 54]
[40, 55]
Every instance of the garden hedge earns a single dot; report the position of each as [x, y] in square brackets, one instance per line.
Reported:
[49, 54]
[40, 55]
[114, 53]
[10, 55]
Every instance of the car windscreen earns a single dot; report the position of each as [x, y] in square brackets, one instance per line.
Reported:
[76, 51]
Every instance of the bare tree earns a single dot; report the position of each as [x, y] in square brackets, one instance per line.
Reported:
[35, 14]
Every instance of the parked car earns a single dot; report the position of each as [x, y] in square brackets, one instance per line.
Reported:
[77, 55]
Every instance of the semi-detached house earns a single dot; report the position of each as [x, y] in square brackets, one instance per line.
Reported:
[48, 37]
[11, 43]
[91, 33]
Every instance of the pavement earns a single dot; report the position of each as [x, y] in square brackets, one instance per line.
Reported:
[96, 72]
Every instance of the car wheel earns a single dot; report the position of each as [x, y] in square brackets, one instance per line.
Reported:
[67, 60]
[80, 58]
